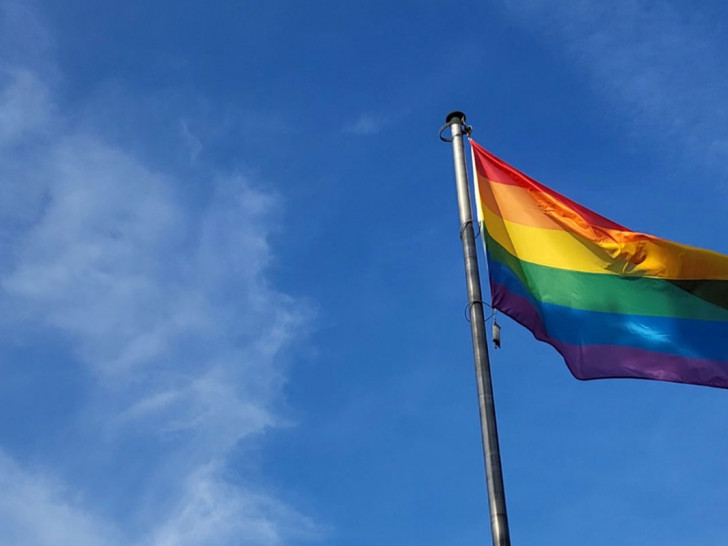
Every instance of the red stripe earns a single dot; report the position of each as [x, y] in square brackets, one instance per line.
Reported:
[497, 170]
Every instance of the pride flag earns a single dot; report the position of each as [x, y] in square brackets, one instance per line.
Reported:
[613, 302]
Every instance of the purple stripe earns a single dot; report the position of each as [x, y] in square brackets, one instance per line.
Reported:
[602, 361]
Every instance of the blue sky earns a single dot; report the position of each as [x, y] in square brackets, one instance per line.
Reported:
[232, 292]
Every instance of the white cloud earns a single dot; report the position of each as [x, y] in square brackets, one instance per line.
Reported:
[209, 506]
[24, 39]
[365, 125]
[191, 141]
[36, 511]
[23, 105]
[660, 61]
[163, 301]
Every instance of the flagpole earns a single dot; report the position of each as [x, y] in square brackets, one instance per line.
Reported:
[488, 427]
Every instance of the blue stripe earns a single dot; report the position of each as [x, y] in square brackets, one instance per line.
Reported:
[684, 337]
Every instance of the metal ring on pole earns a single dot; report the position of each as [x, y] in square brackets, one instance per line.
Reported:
[481, 302]
[476, 234]
[467, 130]
[442, 130]
[464, 227]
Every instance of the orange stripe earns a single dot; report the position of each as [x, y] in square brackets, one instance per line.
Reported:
[494, 168]
[531, 207]
[514, 203]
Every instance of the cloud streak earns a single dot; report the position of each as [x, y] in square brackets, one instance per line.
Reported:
[35, 510]
[365, 125]
[163, 305]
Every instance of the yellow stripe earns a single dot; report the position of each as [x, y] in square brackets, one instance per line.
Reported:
[649, 256]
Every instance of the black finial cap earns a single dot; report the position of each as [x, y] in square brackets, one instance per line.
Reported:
[455, 115]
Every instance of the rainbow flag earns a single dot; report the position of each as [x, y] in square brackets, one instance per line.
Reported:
[613, 302]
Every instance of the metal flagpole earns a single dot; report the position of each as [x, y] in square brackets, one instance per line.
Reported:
[488, 427]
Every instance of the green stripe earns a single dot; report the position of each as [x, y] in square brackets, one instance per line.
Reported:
[613, 293]
[712, 291]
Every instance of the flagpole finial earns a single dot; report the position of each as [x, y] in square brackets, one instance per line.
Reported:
[455, 116]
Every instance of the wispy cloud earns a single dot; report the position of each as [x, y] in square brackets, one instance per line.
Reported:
[365, 125]
[191, 141]
[23, 105]
[660, 61]
[212, 512]
[36, 510]
[165, 307]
